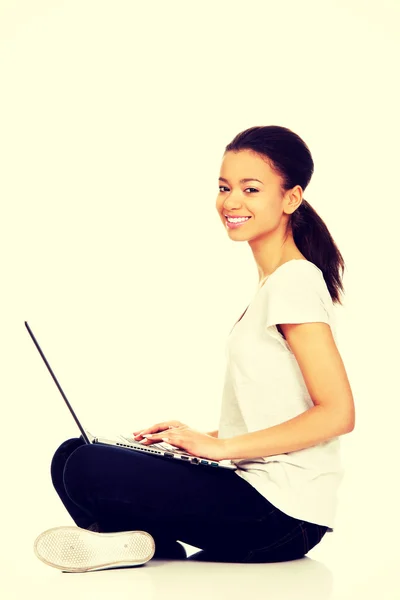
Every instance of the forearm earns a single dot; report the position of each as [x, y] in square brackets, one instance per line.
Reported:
[310, 428]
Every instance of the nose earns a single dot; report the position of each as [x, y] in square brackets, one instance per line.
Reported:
[231, 207]
[230, 203]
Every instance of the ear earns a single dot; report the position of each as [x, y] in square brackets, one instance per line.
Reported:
[293, 200]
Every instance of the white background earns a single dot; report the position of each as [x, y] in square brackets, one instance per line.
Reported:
[114, 116]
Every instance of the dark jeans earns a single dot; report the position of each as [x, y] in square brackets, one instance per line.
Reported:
[211, 509]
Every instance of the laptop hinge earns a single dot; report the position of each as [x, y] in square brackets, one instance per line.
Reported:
[91, 437]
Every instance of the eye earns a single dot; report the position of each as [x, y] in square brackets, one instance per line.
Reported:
[222, 186]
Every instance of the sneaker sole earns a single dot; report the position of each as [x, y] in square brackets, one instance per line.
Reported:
[78, 550]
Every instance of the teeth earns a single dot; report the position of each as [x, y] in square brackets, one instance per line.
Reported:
[231, 220]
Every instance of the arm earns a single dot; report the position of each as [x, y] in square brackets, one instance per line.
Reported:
[315, 425]
[333, 413]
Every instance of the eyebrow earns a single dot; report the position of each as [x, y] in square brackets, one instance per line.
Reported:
[242, 180]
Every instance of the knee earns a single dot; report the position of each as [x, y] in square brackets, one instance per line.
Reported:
[61, 456]
[78, 469]
[69, 446]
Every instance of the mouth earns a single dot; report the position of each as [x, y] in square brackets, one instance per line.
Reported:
[235, 224]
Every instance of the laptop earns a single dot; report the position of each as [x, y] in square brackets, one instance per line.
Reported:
[162, 450]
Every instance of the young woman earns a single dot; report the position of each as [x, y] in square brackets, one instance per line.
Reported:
[285, 403]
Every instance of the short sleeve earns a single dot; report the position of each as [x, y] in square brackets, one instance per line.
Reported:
[294, 296]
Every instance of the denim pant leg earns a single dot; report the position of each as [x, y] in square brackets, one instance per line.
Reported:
[212, 509]
[296, 540]
[81, 516]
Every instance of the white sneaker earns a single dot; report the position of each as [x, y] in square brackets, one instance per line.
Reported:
[77, 550]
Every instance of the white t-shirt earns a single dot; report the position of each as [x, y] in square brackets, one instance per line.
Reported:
[264, 386]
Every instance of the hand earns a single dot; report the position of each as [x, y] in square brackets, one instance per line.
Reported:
[192, 441]
[165, 426]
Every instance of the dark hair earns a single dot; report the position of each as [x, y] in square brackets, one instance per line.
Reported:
[290, 158]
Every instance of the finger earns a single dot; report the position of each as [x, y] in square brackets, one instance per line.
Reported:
[154, 437]
[144, 437]
[167, 431]
[164, 426]
[140, 432]
[154, 429]
[157, 440]
[148, 439]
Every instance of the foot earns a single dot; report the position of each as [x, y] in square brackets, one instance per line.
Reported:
[77, 550]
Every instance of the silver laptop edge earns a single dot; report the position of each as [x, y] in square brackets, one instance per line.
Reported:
[163, 450]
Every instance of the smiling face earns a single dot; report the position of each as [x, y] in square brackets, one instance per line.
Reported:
[250, 188]
[259, 197]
